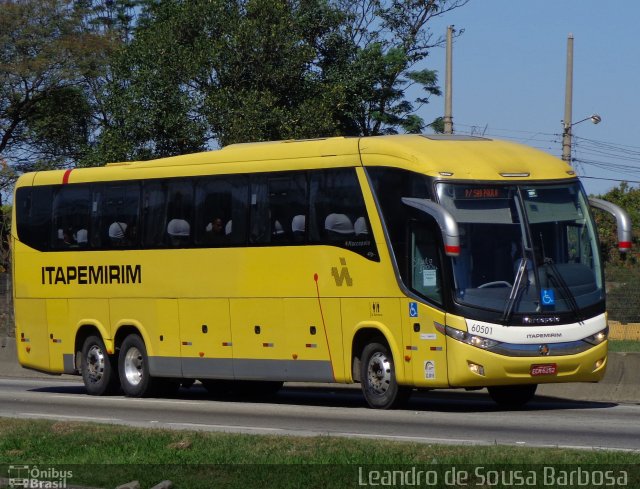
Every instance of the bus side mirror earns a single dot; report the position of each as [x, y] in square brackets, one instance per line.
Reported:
[623, 221]
[446, 222]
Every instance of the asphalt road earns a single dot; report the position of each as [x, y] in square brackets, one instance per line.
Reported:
[456, 417]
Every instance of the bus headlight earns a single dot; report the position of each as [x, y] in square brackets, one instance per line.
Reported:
[469, 339]
[599, 337]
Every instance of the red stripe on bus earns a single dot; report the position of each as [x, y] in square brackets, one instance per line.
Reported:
[65, 177]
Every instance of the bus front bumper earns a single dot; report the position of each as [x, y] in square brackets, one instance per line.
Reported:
[469, 366]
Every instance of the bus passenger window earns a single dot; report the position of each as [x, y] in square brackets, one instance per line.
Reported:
[71, 215]
[275, 202]
[338, 212]
[119, 215]
[179, 212]
[33, 213]
[154, 223]
[219, 201]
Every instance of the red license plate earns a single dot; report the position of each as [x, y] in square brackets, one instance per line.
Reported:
[544, 369]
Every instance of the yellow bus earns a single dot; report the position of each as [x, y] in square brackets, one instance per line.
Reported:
[399, 262]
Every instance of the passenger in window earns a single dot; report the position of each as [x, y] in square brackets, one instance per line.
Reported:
[67, 237]
[278, 231]
[179, 231]
[214, 231]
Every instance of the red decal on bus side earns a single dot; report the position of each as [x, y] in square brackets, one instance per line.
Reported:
[65, 177]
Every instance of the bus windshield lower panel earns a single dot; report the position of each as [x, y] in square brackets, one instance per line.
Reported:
[525, 249]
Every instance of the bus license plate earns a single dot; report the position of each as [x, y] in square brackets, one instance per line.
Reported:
[544, 369]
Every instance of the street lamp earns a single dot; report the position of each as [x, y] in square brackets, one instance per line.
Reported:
[566, 135]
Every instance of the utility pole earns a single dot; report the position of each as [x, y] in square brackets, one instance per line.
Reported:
[568, 102]
[448, 117]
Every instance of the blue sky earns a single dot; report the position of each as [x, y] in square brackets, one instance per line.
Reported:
[509, 79]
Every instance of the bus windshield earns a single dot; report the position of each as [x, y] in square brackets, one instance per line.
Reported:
[524, 249]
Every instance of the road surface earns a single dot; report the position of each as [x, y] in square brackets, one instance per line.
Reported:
[449, 417]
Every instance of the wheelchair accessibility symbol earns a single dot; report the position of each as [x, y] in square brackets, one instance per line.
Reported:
[548, 297]
[413, 309]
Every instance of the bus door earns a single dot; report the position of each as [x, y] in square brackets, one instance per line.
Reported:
[424, 318]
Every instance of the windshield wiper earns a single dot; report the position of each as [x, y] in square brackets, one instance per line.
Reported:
[516, 290]
[557, 279]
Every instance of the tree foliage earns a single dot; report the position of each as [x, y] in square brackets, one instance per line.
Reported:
[90, 81]
[45, 53]
[222, 71]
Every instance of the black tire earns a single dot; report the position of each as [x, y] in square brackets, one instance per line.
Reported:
[133, 367]
[98, 369]
[378, 378]
[512, 396]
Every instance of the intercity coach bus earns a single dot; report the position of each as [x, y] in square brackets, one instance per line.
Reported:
[399, 262]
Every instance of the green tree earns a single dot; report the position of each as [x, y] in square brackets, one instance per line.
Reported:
[387, 40]
[37, 73]
[201, 73]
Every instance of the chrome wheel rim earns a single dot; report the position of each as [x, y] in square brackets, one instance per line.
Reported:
[95, 363]
[133, 366]
[379, 373]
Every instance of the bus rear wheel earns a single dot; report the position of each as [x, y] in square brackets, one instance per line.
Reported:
[378, 378]
[512, 396]
[133, 366]
[98, 372]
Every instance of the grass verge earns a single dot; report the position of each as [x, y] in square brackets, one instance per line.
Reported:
[107, 456]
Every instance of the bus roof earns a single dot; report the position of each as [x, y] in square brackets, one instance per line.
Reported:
[445, 157]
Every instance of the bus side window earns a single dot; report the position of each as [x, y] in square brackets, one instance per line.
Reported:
[154, 214]
[33, 208]
[259, 218]
[287, 199]
[180, 213]
[220, 202]
[119, 216]
[337, 205]
[71, 216]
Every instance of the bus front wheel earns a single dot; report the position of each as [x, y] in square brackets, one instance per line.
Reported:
[98, 372]
[378, 378]
[133, 365]
[512, 396]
